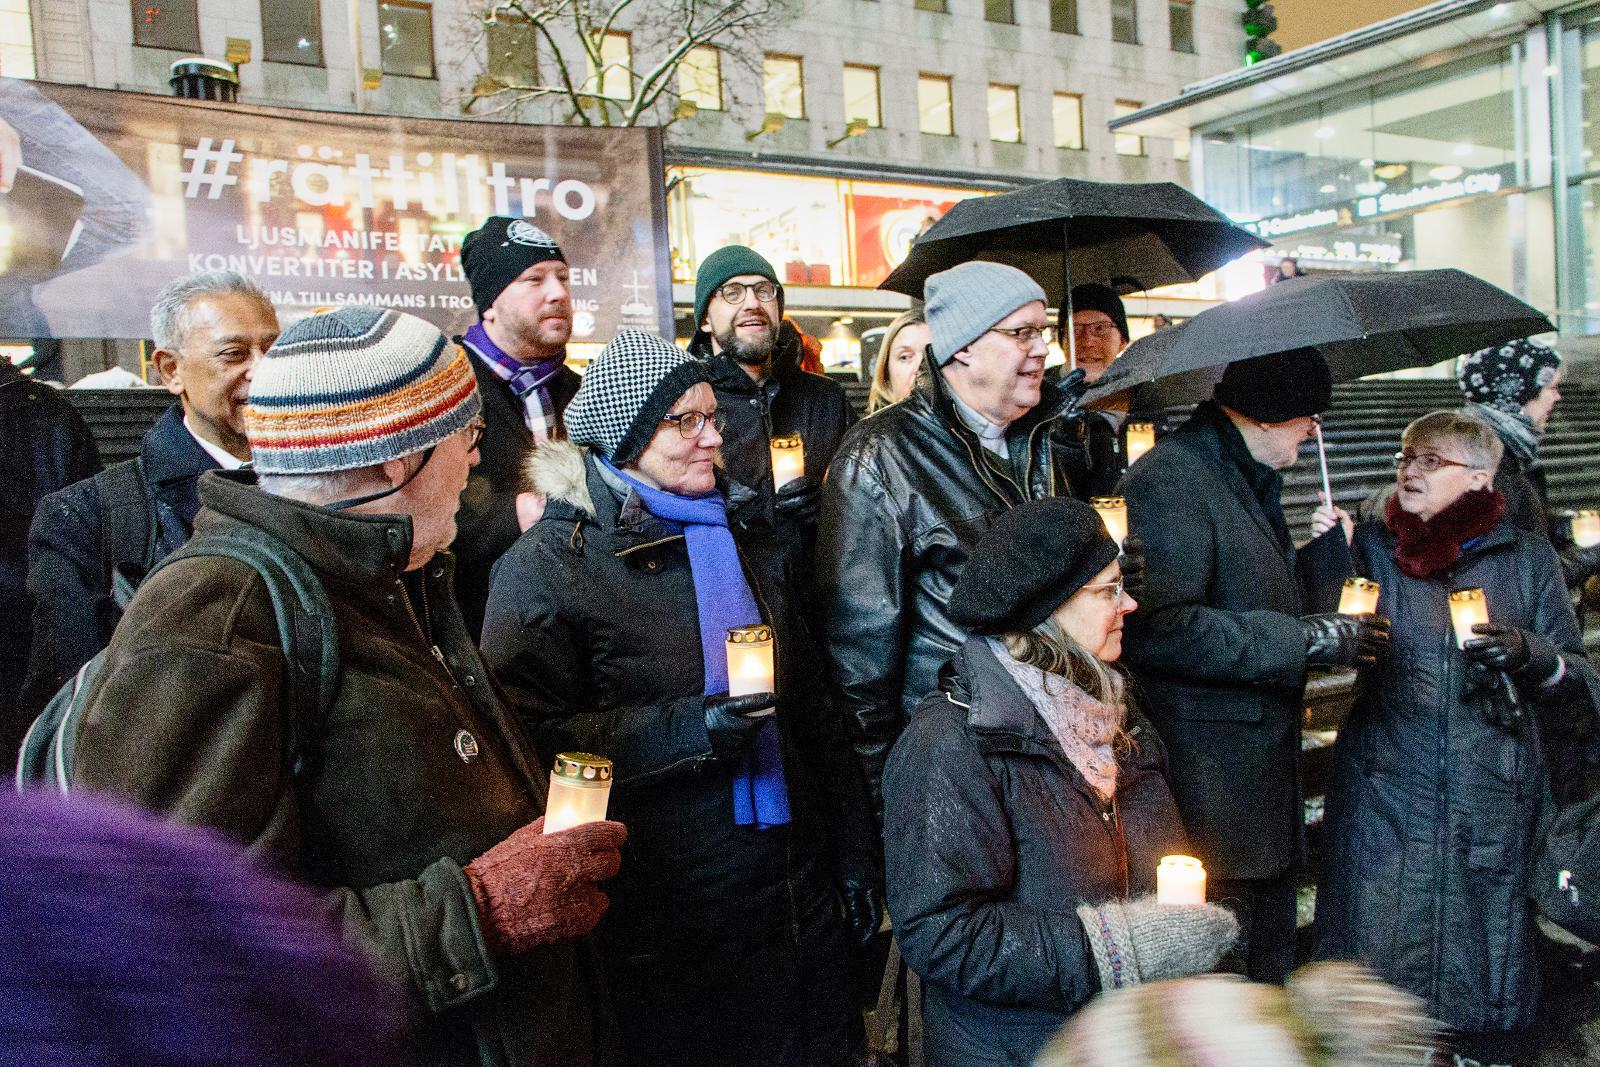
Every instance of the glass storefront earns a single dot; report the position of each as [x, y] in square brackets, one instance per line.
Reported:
[1445, 166]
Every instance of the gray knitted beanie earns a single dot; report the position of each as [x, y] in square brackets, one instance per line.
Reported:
[965, 301]
[634, 381]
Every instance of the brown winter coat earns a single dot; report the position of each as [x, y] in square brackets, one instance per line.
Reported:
[187, 718]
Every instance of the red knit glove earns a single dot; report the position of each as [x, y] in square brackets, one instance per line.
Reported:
[533, 888]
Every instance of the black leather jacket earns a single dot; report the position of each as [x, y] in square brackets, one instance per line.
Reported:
[909, 493]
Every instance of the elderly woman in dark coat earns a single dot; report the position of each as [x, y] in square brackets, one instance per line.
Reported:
[1025, 810]
[1441, 771]
[607, 623]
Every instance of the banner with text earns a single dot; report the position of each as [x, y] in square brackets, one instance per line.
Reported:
[115, 194]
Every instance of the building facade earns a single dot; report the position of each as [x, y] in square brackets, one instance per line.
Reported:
[826, 140]
[1461, 134]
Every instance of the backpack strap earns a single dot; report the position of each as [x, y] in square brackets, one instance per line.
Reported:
[127, 516]
[306, 627]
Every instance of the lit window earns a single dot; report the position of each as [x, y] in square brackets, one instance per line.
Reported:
[861, 95]
[934, 113]
[513, 53]
[16, 40]
[782, 82]
[700, 78]
[1180, 17]
[1180, 148]
[1005, 114]
[291, 32]
[1067, 112]
[170, 24]
[1128, 144]
[1125, 21]
[941, 6]
[405, 35]
[615, 78]
[1064, 16]
[1000, 10]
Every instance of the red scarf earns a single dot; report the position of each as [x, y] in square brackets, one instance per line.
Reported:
[1429, 548]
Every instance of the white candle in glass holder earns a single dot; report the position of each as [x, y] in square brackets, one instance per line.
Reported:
[788, 459]
[750, 668]
[1468, 607]
[1114, 513]
[580, 788]
[1586, 528]
[1360, 597]
[1141, 439]
[1180, 880]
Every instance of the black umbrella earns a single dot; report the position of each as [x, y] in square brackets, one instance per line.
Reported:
[1131, 236]
[1361, 323]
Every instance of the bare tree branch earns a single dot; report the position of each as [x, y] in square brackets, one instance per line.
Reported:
[662, 35]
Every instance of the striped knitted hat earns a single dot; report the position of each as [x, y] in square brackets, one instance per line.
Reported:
[353, 388]
[634, 381]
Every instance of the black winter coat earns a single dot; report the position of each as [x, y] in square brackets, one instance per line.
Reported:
[1527, 498]
[77, 542]
[719, 936]
[908, 496]
[1215, 643]
[487, 525]
[992, 840]
[1432, 809]
[47, 446]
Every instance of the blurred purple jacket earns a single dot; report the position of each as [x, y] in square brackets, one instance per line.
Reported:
[129, 941]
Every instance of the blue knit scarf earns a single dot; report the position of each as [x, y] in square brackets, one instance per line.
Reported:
[723, 598]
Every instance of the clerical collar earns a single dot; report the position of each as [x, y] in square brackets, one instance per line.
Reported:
[990, 435]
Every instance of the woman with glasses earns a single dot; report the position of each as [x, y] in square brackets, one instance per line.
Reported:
[1026, 808]
[1440, 773]
[607, 625]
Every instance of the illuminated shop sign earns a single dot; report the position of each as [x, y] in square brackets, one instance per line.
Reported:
[1483, 183]
[1383, 250]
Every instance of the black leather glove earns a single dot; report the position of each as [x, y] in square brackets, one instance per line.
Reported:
[731, 721]
[799, 500]
[1526, 656]
[1578, 565]
[1344, 640]
[863, 907]
[1073, 386]
[1132, 563]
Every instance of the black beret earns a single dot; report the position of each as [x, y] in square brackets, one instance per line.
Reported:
[1277, 387]
[1029, 563]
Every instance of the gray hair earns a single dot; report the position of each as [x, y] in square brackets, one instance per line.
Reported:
[169, 317]
[324, 488]
[1478, 440]
[1051, 649]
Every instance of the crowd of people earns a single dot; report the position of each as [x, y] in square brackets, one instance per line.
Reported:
[989, 719]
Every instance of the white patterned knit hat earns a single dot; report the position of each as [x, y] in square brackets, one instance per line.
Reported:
[634, 381]
[353, 388]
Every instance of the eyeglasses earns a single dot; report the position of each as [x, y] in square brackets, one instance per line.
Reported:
[1100, 331]
[1112, 591]
[690, 423]
[1023, 335]
[1427, 462]
[733, 292]
[475, 430]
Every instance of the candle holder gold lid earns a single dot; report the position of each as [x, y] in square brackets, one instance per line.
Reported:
[1102, 502]
[750, 635]
[583, 769]
[1462, 596]
[1361, 583]
[788, 440]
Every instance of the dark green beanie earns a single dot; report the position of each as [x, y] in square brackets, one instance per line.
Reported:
[729, 261]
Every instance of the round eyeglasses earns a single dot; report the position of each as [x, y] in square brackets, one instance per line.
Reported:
[733, 292]
[690, 423]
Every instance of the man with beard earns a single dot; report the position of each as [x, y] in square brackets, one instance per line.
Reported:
[753, 356]
[1099, 327]
[523, 293]
[210, 331]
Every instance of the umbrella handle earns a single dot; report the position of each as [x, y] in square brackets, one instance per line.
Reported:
[1322, 460]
